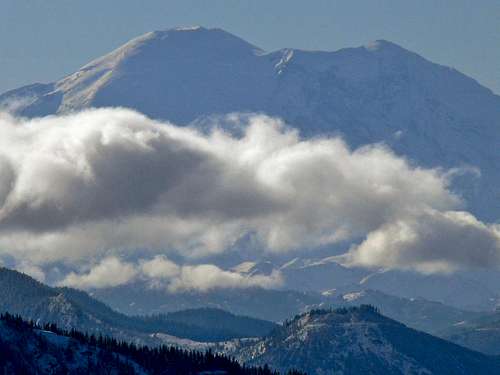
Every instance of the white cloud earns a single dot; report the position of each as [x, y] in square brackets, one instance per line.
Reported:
[208, 276]
[429, 242]
[74, 187]
[109, 272]
[160, 271]
[160, 268]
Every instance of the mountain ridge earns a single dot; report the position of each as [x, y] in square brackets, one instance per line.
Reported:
[74, 309]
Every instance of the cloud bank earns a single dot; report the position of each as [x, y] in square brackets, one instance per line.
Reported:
[74, 188]
[162, 272]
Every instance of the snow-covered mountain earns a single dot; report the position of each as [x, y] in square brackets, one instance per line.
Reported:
[360, 341]
[381, 92]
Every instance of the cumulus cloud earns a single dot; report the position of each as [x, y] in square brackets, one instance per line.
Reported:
[160, 271]
[430, 241]
[208, 276]
[160, 268]
[109, 272]
[75, 187]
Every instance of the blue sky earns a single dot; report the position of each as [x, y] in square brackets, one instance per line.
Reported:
[43, 40]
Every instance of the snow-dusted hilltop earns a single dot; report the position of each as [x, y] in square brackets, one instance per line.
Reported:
[360, 341]
[433, 114]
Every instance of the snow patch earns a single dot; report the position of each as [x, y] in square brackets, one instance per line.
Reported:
[350, 297]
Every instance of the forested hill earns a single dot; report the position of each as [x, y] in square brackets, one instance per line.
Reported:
[26, 348]
[359, 340]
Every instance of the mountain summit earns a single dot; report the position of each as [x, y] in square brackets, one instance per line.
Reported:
[361, 341]
[381, 92]
[177, 74]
